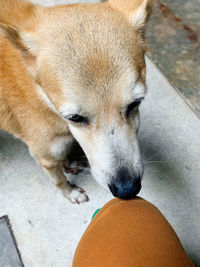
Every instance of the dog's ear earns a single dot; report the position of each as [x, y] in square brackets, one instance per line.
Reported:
[137, 11]
[18, 18]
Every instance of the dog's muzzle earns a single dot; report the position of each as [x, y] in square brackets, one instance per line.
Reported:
[124, 185]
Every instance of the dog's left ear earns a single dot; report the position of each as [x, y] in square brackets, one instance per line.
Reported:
[137, 11]
[18, 20]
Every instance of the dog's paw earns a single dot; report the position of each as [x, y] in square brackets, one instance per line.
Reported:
[72, 170]
[75, 168]
[78, 196]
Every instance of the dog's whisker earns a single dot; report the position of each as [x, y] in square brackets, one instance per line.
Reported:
[150, 161]
[154, 161]
[145, 158]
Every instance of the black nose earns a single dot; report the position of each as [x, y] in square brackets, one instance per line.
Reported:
[125, 186]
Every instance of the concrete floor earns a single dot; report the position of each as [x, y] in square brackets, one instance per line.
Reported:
[47, 227]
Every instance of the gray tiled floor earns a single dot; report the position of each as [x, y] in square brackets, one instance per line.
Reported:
[8, 252]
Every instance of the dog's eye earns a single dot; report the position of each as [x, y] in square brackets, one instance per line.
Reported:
[133, 106]
[77, 118]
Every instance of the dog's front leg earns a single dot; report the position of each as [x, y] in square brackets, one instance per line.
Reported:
[54, 168]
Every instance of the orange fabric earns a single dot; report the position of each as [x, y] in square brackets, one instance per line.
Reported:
[130, 233]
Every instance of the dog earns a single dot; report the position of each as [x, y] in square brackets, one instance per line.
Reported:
[76, 72]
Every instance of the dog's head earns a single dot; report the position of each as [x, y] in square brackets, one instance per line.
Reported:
[89, 59]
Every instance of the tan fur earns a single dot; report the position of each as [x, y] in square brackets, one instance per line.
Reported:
[24, 113]
[54, 54]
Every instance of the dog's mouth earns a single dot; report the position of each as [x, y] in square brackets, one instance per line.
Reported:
[122, 185]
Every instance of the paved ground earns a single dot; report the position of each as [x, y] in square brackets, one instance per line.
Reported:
[47, 227]
[174, 43]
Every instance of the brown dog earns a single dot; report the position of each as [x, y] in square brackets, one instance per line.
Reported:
[76, 71]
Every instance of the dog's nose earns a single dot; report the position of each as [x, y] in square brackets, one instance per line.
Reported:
[125, 186]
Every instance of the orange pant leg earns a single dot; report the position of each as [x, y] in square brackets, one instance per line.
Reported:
[130, 233]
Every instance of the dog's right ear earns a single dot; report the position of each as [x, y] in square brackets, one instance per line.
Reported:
[18, 19]
[137, 11]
